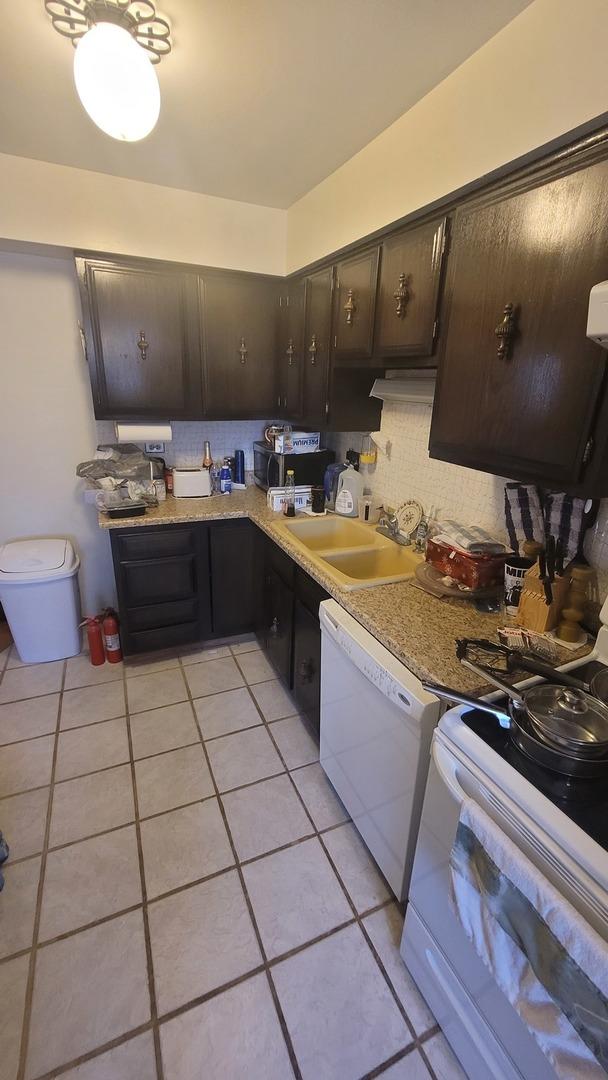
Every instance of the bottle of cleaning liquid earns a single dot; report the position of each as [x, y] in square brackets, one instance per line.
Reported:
[289, 502]
[350, 490]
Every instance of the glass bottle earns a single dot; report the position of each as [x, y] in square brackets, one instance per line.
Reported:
[289, 503]
[207, 459]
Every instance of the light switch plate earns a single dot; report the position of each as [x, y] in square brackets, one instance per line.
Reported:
[155, 447]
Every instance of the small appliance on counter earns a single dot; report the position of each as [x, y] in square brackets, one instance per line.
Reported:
[270, 467]
[191, 483]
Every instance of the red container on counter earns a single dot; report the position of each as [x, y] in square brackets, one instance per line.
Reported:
[476, 571]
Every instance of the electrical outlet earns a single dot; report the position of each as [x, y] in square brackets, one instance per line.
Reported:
[155, 447]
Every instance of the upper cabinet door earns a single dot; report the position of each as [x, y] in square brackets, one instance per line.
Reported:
[240, 346]
[355, 305]
[143, 340]
[317, 331]
[518, 379]
[290, 349]
[410, 276]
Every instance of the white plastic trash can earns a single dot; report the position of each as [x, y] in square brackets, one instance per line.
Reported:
[39, 594]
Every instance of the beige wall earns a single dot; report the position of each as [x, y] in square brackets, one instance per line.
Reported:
[57, 205]
[541, 76]
[46, 416]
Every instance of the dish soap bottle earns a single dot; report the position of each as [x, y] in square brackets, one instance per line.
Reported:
[289, 502]
[350, 490]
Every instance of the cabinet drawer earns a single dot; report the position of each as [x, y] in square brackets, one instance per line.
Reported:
[156, 581]
[281, 563]
[309, 592]
[155, 616]
[156, 543]
[165, 637]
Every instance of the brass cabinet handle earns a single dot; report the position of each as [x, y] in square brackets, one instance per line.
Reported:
[289, 351]
[402, 296]
[312, 350]
[143, 345]
[350, 307]
[505, 332]
[243, 351]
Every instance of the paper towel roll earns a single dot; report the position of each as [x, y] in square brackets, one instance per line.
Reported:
[139, 433]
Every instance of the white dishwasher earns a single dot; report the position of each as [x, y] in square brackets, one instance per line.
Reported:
[377, 723]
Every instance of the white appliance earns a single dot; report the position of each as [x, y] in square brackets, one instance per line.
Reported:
[39, 594]
[191, 483]
[484, 1030]
[376, 728]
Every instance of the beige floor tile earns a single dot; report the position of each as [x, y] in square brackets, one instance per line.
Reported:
[133, 1060]
[163, 729]
[256, 667]
[207, 652]
[243, 758]
[27, 719]
[339, 1011]
[26, 765]
[443, 1061]
[152, 691]
[294, 741]
[358, 871]
[410, 1067]
[249, 644]
[274, 700]
[80, 672]
[91, 804]
[237, 1034]
[322, 803]
[150, 663]
[213, 677]
[385, 928]
[172, 779]
[13, 982]
[184, 845]
[88, 989]
[295, 895]
[14, 660]
[88, 881]
[23, 821]
[201, 938]
[221, 714]
[87, 749]
[92, 704]
[265, 816]
[31, 681]
[18, 905]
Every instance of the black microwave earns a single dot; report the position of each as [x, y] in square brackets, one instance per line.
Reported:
[270, 468]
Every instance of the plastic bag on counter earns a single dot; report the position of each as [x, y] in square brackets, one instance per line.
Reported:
[119, 463]
[129, 492]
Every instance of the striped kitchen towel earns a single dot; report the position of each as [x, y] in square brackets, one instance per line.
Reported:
[523, 515]
[564, 520]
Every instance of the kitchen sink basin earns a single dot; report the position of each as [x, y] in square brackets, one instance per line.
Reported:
[351, 552]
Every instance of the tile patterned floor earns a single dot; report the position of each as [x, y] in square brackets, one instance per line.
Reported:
[186, 897]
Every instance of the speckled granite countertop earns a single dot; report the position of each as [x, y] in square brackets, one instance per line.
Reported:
[417, 628]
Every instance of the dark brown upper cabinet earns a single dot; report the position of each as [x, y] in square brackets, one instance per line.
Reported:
[355, 306]
[240, 346]
[408, 295]
[142, 339]
[290, 359]
[318, 291]
[519, 382]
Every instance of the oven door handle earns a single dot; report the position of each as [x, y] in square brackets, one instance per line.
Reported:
[446, 767]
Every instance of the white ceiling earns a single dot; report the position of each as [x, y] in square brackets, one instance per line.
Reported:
[261, 99]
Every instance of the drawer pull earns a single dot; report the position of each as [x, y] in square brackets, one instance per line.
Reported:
[143, 345]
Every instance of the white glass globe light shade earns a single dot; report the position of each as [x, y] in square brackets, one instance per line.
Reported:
[116, 82]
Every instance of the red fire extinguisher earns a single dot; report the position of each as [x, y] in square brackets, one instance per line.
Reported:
[111, 636]
[95, 641]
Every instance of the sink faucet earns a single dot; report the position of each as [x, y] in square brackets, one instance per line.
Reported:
[389, 526]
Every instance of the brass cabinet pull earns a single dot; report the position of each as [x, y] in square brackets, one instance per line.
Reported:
[243, 351]
[350, 307]
[289, 351]
[505, 332]
[143, 345]
[402, 296]
[312, 350]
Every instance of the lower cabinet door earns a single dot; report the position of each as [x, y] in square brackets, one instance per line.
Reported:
[307, 666]
[278, 609]
[232, 548]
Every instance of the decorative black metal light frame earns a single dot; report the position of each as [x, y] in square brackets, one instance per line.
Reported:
[73, 18]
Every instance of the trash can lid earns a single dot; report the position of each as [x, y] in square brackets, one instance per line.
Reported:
[34, 558]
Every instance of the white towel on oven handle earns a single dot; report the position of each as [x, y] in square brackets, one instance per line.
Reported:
[544, 956]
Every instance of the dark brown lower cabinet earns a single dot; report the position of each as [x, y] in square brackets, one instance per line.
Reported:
[307, 650]
[232, 576]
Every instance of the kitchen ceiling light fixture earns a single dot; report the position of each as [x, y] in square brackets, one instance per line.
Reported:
[116, 42]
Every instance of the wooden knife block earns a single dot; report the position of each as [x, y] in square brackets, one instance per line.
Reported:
[533, 612]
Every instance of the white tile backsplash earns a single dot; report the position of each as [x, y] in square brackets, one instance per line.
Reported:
[186, 449]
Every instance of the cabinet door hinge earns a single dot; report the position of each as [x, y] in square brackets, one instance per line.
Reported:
[279, 401]
[588, 451]
[435, 329]
[327, 408]
[335, 341]
[83, 341]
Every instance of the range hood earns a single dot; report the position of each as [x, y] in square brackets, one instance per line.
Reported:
[416, 387]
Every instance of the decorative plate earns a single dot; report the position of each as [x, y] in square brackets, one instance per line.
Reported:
[409, 516]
